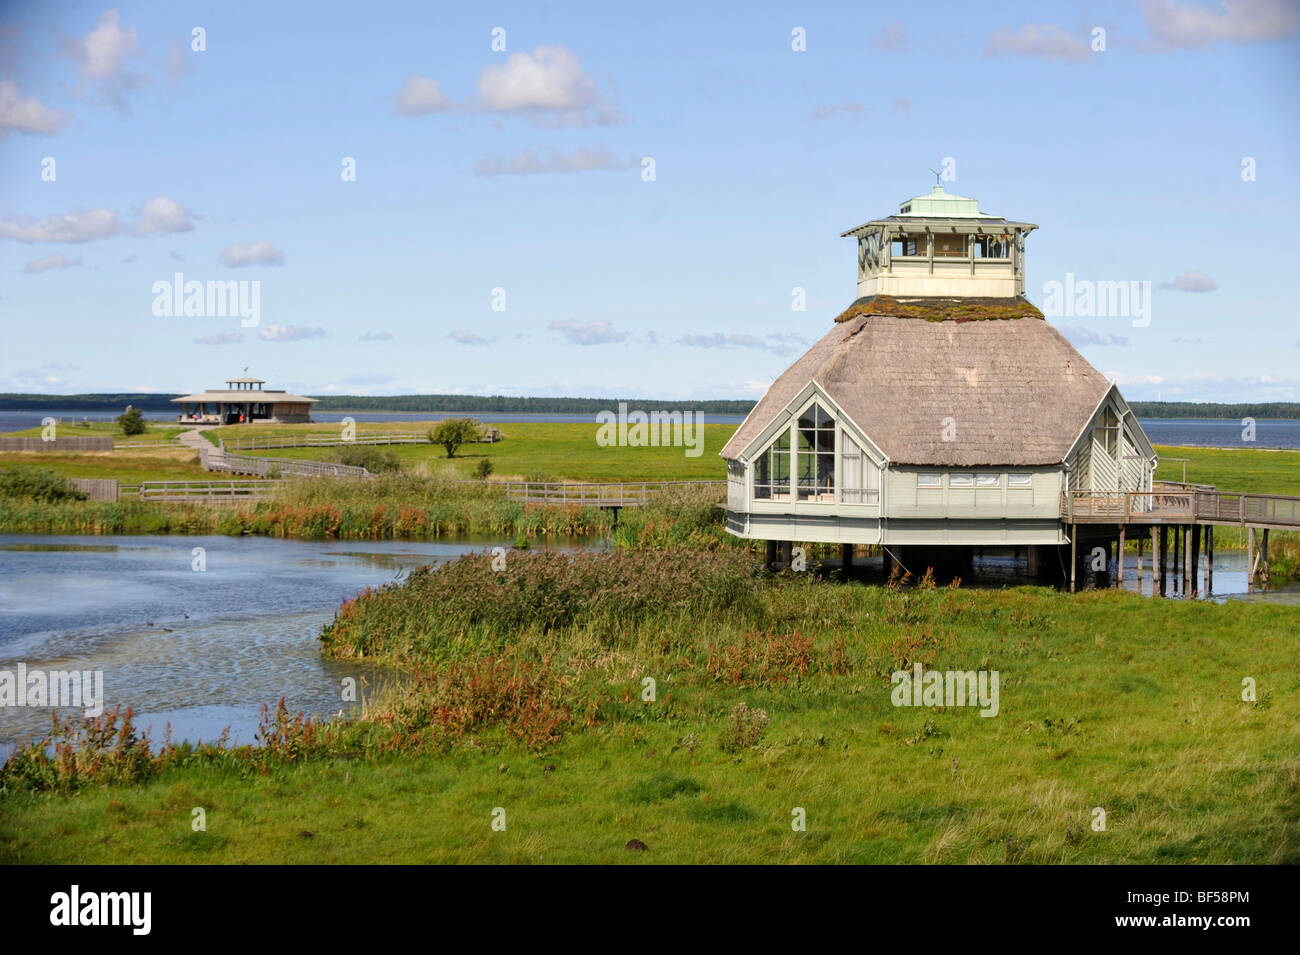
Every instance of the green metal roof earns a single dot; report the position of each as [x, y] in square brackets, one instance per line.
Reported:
[943, 205]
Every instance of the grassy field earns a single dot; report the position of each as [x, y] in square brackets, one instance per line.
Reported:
[128, 467]
[555, 452]
[1249, 470]
[105, 429]
[1107, 700]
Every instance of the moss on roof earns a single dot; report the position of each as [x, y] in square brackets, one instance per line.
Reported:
[942, 309]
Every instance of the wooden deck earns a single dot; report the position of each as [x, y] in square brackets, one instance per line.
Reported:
[1195, 505]
[622, 494]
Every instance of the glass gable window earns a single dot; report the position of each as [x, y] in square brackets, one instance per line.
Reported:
[816, 455]
[772, 471]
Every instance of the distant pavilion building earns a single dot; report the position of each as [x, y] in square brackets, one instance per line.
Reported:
[244, 400]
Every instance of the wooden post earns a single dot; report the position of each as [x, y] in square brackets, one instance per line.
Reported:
[1119, 560]
[1189, 572]
[787, 554]
[1250, 559]
[1209, 559]
[1074, 553]
[1141, 541]
[1196, 558]
[1263, 559]
[1163, 560]
[1178, 555]
[770, 561]
[846, 558]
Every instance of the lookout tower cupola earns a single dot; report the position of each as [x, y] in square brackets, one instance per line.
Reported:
[941, 246]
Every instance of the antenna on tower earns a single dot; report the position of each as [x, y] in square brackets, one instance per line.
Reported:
[937, 177]
[245, 371]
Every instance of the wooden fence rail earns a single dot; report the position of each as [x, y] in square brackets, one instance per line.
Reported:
[207, 492]
[614, 494]
[213, 460]
[330, 440]
[1193, 506]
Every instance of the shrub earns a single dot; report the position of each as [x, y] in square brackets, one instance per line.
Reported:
[132, 422]
[37, 484]
[373, 459]
[744, 729]
[483, 470]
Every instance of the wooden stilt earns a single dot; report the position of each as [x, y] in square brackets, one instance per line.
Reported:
[1178, 556]
[1263, 558]
[771, 554]
[1141, 540]
[846, 558]
[1250, 559]
[1196, 559]
[1074, 553]
[1189, 572]
[1119, 560]
[1163, 560]
[1209, 558]
[787, 554]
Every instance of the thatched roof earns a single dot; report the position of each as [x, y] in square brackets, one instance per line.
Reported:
[245, 396]
[942, 309]
[1017, 390]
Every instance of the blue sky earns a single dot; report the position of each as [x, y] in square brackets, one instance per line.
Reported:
[523, 170]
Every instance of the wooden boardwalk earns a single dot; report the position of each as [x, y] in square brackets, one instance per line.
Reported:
[205, 492]
[332, 440]
[1192, 506]
[616, 494]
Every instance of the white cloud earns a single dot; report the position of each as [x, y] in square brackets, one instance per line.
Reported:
[75, 227]
[221, 338]
[102, 54]
[1049, 41]
[1082, 337]
[377, 337]
[372, 379]
[891, 39]
[162, 216]
[852, 111]
[260, 252]
[27, 115]
[1192, 282]
[178, 61]
[469, 338]
[780, 344]
[420, 95]
[548, 80]
[528, 162]
[58, 261]
[1188, 25]
[588, 333]
[289, 333]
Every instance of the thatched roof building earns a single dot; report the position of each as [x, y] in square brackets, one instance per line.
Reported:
[929, 416]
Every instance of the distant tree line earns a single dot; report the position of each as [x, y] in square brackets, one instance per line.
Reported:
[1209, 409]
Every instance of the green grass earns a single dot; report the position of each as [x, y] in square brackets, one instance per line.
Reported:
[565, 451]
[1107, 700]
[129, 467]
[101, 429]
[1248, 470]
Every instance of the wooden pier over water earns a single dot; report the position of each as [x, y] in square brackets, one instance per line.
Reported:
[1186, 512]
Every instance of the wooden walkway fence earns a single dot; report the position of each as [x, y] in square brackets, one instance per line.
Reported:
[213, 460]
[621, 494]
[331, 440]
[1194, 506]
[206, 492]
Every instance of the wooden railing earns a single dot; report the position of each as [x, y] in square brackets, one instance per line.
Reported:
[1191, 506]
[615, 494]
[331, 440]
[208, 492]
[213, 460]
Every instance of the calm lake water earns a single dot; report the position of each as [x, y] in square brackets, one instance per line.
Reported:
[200, 650]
